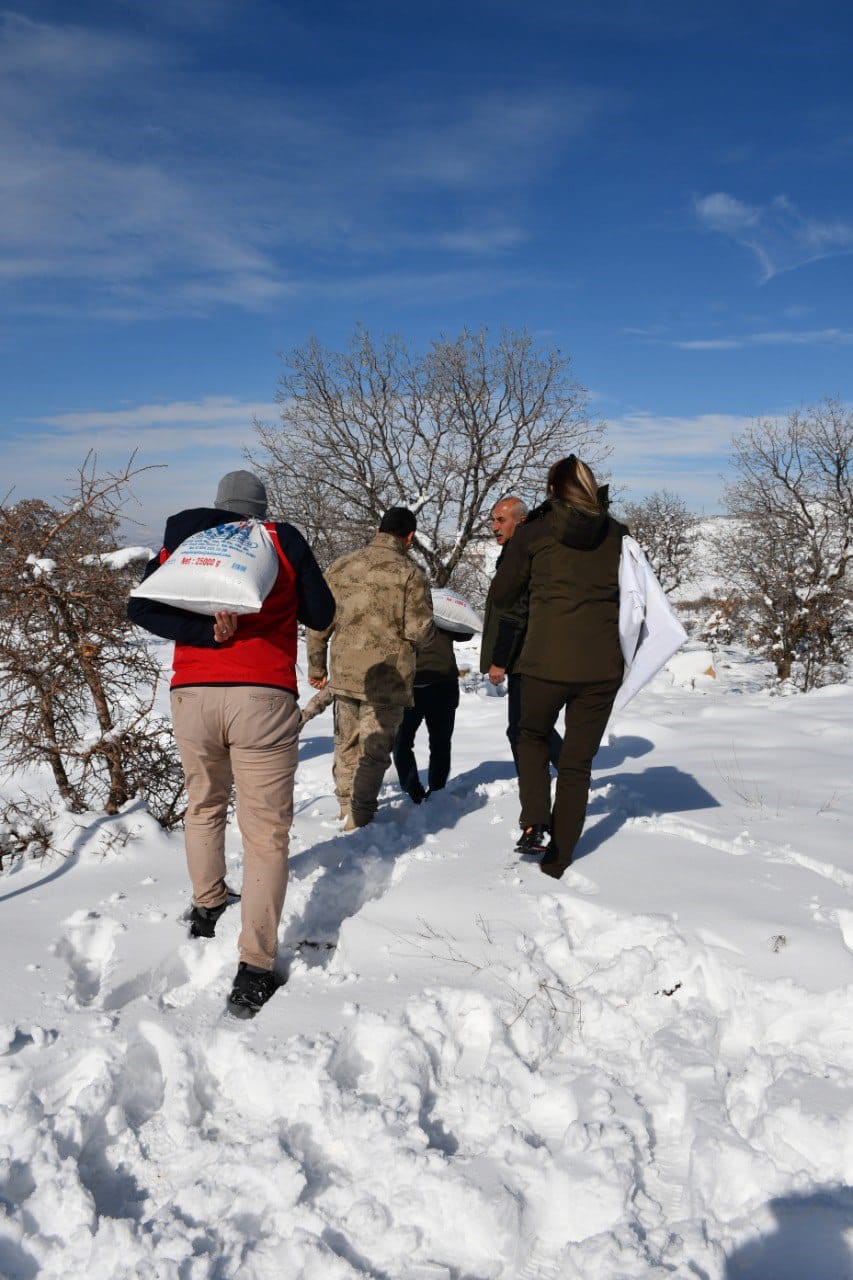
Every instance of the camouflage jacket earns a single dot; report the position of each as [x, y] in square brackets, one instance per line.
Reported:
[384, 615]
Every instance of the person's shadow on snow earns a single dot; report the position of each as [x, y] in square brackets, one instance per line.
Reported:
[619, 748]
[358, 868]
[808, 1243]
[309, 748]
[656, 791]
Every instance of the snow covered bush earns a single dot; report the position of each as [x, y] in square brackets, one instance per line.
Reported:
[788, 550]
[76, 684]
[26, 829]
[721, 626]
[666, 531]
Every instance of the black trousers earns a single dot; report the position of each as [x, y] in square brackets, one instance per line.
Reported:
[513, 723]
[588, 706]
[435, 703]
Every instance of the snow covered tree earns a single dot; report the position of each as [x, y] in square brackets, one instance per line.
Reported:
[788, 550]
[77, 685]
[445, 432]
[666, 531]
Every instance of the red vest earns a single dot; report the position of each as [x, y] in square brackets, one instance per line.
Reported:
[264, 648]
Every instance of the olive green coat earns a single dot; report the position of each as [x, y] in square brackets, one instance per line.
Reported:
[436, 662]
[503, 630]
[569, 563]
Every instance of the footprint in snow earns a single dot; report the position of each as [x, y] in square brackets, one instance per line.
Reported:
[87, 948]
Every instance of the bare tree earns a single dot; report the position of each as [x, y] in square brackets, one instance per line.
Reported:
[77, 685]
[788, 550]
[445, 432]
[666, 531]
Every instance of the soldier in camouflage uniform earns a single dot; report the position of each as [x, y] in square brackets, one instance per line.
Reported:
[384, 614]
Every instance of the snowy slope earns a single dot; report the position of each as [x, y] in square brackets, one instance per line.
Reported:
[473, 1072]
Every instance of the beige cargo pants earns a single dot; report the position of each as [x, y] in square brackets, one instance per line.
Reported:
[248, 735]
[364, 738]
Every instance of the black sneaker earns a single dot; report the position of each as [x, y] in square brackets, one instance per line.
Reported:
[252, 989]
[203, 920]
[536, 839]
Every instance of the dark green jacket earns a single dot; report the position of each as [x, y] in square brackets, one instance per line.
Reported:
[436, 661]
[503, 630]
[568, 562]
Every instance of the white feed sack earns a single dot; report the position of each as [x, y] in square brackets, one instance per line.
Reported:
[232, 566]
[453, 612]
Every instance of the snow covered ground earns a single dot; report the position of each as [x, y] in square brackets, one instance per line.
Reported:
[473, 1072]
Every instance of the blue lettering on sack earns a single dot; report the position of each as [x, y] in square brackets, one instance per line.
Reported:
[226, 540]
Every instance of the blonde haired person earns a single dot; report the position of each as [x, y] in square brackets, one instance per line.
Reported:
[566, 555]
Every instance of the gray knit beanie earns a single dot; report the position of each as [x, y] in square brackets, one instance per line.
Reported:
[242, 492]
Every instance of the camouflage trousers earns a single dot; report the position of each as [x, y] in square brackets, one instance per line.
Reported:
[364, 738]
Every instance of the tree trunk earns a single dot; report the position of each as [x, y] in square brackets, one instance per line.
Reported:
[119, 791]
[54, 756]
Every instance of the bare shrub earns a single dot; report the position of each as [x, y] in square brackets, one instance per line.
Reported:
[77, 684]
[26, 829]
[666, 531]
[789, 548]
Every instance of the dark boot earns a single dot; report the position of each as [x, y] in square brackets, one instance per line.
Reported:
[203, 920]
[252, 988]
[535, 839]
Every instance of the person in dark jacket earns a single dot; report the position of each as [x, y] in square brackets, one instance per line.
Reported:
[436, 697]
[236, 718]
[503, 631]
[566, 556]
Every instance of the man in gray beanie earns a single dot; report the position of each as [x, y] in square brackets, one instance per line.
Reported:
[236, 720]
[242, 492]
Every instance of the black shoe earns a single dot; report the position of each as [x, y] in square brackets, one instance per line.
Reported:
[252, 989]
[418, 797]
[203, 920]
[536, 839]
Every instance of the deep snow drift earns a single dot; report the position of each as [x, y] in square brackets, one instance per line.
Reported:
[473, 1072]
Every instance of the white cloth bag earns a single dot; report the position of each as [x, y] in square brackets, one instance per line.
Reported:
[452, 612]
[231, 566]
[649, 629]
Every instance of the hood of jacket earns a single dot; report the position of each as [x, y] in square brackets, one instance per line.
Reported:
[570, 525]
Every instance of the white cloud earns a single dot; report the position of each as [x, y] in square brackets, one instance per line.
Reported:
[688, 455]
[643, 439]
[192, 443]
[725, 213]
[200, 440]
[148, 184]
[493, 137]
[778, 234]
[212, 411]
[482, 239]
[773, 338]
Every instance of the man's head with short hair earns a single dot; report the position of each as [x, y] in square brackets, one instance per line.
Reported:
[507, 515]
[243, 492]
[400, 521]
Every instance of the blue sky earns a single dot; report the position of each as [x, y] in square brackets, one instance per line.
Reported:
[188, 187]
